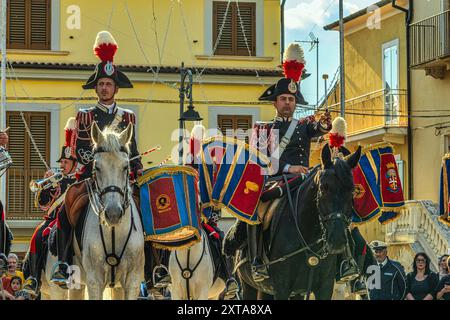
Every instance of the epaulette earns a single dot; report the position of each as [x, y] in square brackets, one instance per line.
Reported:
[125, 110]
[86, 110]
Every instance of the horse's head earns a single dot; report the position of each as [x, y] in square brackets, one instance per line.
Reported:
[335, 195]
[111, 171]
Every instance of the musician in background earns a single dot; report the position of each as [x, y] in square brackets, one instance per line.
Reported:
[49, 198]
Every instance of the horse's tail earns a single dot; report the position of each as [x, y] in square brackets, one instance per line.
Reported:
[234, 238]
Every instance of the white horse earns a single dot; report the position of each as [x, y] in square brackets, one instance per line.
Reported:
[196, 262]
[113, 240]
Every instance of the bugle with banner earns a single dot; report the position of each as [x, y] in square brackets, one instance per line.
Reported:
[232, 176]
[378, 190]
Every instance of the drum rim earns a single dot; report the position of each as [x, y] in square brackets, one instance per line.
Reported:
[152, 173]
[240, 143]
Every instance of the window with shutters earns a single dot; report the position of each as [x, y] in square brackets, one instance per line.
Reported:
[236, 126]
[26, 163]
[238, 36]
[28, 24]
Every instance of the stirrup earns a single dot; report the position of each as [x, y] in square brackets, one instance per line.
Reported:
[231, 289]
[31, 287]
[58, 277]
[350, 274]
[164, 281]
[361, 290]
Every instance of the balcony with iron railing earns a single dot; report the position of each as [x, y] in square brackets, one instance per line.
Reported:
[430, 44]
[375, 110]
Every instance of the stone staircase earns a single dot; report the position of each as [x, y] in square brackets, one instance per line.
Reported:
[419, 227]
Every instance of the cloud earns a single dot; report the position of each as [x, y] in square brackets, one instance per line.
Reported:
[304, 14]
[307, 13]
[351, 7]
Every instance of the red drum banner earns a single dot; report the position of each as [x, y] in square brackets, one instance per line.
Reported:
[378, 189]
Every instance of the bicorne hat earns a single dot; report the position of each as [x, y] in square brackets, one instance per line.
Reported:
[105, 48]
[293, 66]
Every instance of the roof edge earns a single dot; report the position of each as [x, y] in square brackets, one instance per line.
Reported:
[357, 14]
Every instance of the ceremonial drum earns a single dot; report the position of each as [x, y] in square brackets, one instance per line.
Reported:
[232, 176]
[169, 205]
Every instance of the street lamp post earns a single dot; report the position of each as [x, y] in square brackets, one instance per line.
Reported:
[190, 114]
[341, 50]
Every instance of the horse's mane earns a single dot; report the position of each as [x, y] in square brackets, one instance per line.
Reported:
[111, 142]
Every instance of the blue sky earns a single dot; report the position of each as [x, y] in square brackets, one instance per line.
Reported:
[304, 16]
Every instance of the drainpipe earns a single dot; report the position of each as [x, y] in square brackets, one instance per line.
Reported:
[409, 16]
[282, 28]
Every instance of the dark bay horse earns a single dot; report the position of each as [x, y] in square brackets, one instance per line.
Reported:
[318, 228]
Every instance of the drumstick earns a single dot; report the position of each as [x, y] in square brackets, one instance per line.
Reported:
[158, 147]
[6, 129]
[164, 161]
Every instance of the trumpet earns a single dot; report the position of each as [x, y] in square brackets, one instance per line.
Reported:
[46, 183]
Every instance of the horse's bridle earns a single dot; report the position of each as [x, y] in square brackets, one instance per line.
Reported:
[124, 192]
[323, 252]
[99, 208]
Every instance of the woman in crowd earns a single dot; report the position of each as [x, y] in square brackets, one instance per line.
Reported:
[443, 268]
[443, 288]
[421, 282]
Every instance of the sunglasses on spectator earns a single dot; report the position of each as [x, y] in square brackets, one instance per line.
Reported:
[421, 260]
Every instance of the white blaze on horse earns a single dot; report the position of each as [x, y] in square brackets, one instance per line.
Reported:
[192, 271]
[112, 243]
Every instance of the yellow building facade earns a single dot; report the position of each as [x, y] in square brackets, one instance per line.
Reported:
[154, 38]
[375, 87]
[430, 95]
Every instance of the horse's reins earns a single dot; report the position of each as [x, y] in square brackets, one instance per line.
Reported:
[111, 258]
[304, 244]
[187, 273]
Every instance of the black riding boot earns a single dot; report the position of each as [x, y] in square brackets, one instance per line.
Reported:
[225, 267]
[64, 234]
[255, 246]
[231, 285]
[358, 286]
[347, 268]
[32, 283]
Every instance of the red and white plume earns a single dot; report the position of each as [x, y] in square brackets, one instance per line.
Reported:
[195, 143]
[69, 130]
[293, 62]
[338, 132]
[105, 46]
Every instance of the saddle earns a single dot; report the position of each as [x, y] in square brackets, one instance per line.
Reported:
[75, 201]
[274, 191]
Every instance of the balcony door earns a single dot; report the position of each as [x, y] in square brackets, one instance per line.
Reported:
[390, 55]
